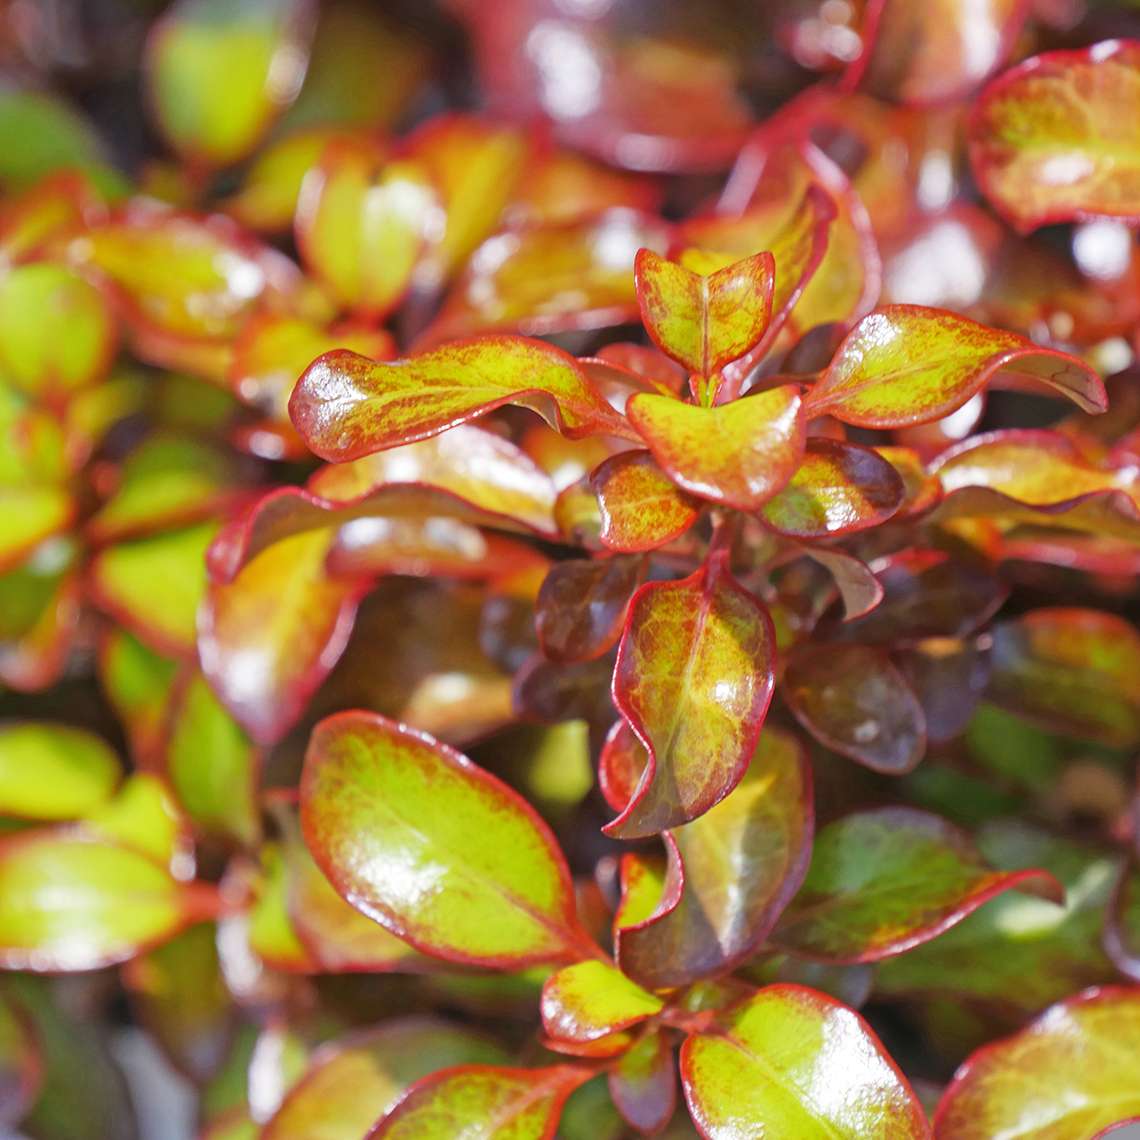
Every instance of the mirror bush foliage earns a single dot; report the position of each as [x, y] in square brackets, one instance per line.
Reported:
[568, 570]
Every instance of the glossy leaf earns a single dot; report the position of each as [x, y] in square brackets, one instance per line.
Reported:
[1066, 1076]
[36, 302]
[854, 701]
[362, 224]
[643, 1084]
[492, 1103]
[352, 1082]
[592, 999]
[270, 637]
[640, 507]
[153, 586]
[261, 50]
[1076, 671]
[551, 277]
[883, 881]
[116, 902]
[694, 678]
[1045, 142]
[729, 873]
[53, 772]
[905, 364]
[346, 406]
[792, 1062]
[384, 807]
[760, 444]
[838, 488]
[704, 321]
[581, 606]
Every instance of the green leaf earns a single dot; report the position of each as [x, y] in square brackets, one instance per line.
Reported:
[52, 772]
[37, 303]
[351, 1083]
[792, 1062]
[593, 999]
[153, 586]
[478, 1100]
[21, 1065]
[260, 47]
[1071, 670]
[694, 678]
[435, 849]
[68, 902]
[852, 699]
[760, 442]
[1046, 144]
[144, 817]
[137, 683]
[882, 882]
[729, 874]
[346, 406]
[704, 321]
[906, 364]
[1067, 1076]
[211, 764]
[641, 507]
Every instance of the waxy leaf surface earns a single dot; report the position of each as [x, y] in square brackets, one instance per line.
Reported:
[641, 507]
[729, 873]
[346, 406]
[592, 999]
[268, 638]
[883, 881]
[838, 488]
[853, 700]
[440, 852]
[581, 606]
[1047, 143]
[1075, 671]
[759, 443]
[53, 772]
[906, 364]
[1069, 1075]
[693, 677]
[793, 1062]
[482, 1101]
[352, 1082]
[705, 321]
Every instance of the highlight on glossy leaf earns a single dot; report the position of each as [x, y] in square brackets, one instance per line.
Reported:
[694, 677]
[906, 364]
[440, 852]
[704, 321]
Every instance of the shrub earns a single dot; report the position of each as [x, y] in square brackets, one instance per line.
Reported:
[722, 416]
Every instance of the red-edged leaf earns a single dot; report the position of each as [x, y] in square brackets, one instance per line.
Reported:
[363, 222]
[884, 881]
[760, 441]
[1070, 1074]
[581, 606]
[838, 488]
[591, 1000]
[259, 47]
[440, 852]
[1121, 936]
[694, 678]
[353, 1081]
[949, 678]
[551, 277]
[729, 873]
[854, 701]
[492, 1103]
[40, 604]
[793, 1062]
[928, 53]
[53, 208]
[1046, 142]
[1074, 671]
[643, 1084]
[704, 321]
[641, 508]
[906, 364]
[346, 406]
[268, 638]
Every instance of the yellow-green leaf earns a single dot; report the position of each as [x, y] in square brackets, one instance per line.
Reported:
[53, 772]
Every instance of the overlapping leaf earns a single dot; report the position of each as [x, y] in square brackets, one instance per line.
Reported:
[641, 508]
[592, 999]
[581, 606]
